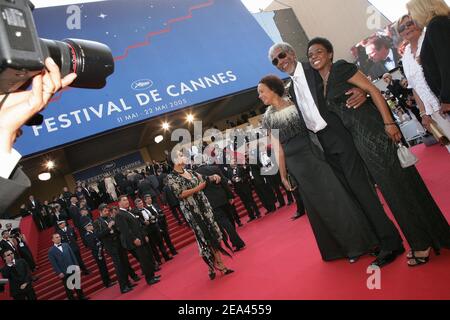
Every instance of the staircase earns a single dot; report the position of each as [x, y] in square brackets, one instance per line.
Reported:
[49, 286]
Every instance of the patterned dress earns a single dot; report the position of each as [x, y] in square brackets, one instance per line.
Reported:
[199, 215]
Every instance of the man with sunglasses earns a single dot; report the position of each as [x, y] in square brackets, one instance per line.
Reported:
[19, 276]
[307, 92]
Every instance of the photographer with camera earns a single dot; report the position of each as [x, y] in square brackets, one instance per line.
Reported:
[15, 110]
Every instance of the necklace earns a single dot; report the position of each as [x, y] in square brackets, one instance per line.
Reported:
[179, 171]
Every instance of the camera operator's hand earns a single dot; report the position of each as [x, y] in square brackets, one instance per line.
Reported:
[19, 107]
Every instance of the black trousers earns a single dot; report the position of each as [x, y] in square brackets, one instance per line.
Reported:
[265, 195]
[101, 263]
[275, 184]
[244, 192]
[156, 240]
[69, 292]
[165, 233]
[234, 216]
[26, 254]
[221, 215]
[118, 255]
[177, 214]
[347, 164]
[27, 294]
[146, 261]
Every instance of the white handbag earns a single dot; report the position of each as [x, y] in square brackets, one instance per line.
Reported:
[406, 157]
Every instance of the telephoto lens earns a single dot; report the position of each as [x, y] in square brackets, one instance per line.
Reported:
[91, 61]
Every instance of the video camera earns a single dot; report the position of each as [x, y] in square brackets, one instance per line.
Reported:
[22, 52]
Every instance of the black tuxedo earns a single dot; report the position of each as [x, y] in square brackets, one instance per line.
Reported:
[110, 238]
[131, 229]
[36, 211]
[154, 232]
[343, 157]
[19, 274]
[218, 196]
[241, 179]
[163, 225]
[378, 68]
[74, 213]
[96, 246]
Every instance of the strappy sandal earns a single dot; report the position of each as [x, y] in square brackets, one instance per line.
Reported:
[418, 260]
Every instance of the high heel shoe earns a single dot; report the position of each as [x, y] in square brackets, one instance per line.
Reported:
[212, 275]
[418, 260]
[226, 271]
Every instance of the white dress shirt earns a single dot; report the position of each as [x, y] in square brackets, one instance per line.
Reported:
[9, 162]
[416, 79]
[145, 214]
[305, 101]
[391, 63]
[59, 247]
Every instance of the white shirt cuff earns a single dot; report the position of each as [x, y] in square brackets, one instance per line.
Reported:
[9, 162]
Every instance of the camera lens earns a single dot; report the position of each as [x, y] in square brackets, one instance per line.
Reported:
[91, 61]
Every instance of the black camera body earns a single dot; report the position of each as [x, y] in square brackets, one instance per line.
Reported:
[22, 52]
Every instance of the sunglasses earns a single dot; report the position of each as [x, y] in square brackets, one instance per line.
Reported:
[280, 56]
[406, 25]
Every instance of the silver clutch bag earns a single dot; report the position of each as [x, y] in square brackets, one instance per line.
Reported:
[406, 157]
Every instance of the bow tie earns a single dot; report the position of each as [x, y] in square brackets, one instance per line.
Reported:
[59, 245]
[387, 60]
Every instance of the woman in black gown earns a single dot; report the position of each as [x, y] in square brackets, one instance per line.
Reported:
[340, 227]
[375, 133]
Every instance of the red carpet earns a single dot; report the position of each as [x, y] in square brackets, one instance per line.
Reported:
[282, 262]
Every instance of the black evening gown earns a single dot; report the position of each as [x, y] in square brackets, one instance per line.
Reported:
[412, 205]
[339, 225]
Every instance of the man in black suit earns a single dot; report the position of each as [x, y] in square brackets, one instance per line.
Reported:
[221, 198]
[340, 151]
[74, 211]
[7, 243]
[36, 210]
[384, 57]
[240, 177]
[58, 215]
[65, 265]
[156, 225]
[96, 246]
[107, 232]
[162, 222]
[66, 196]
[69, 236]
[19, 276]
[149, 218]
[133, 238]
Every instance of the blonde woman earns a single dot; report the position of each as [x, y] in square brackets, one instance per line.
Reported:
[427, 101]
[435, 52]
